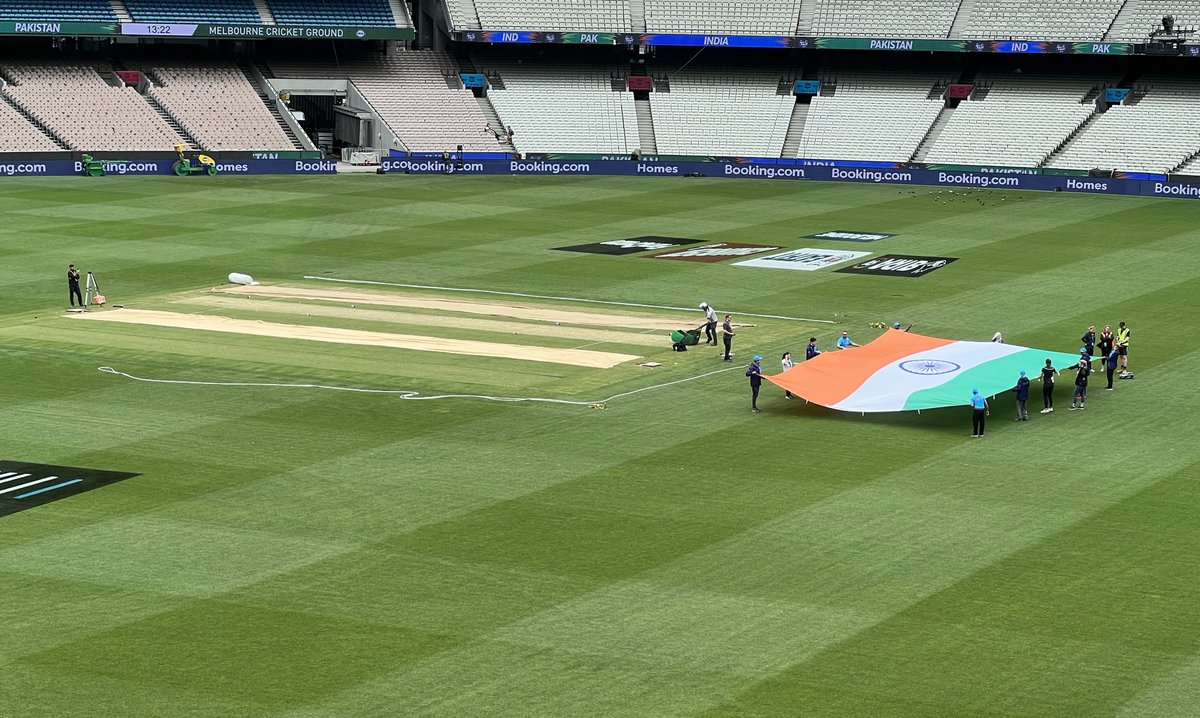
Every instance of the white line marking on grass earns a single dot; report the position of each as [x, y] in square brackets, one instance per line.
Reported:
[409, 393]
[561, 299]
[31, 483]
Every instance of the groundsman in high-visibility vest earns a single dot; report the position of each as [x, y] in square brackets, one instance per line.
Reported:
[1123, 345]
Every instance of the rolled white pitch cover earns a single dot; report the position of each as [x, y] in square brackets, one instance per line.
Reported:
[239, 278]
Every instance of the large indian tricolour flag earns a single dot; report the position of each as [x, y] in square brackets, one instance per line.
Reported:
[902, 371]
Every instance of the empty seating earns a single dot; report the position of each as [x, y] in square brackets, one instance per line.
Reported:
[724, 112]
[897, 18]
[240, 12]
[561, 15]
[564, 108]
[1144, 16]
[70, 10]
[1041, 19]
[75, 102]
[1156, 134]
[733, 17]
[873, 115]
[371, 13]
[217, 106]
[1019, 123]
[409, 91]
[18, 134]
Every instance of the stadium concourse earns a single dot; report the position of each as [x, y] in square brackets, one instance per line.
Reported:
[1058, 87]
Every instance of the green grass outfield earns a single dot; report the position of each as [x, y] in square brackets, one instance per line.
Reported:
[302, 552]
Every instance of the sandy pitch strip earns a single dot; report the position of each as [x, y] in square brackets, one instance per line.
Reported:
[591, 335]
[573, 357]
[466, 306]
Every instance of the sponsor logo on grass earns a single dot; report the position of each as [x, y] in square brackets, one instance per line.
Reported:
[803, 259]
[24, 485]
[848, 236]
[632, 245]
[899, 265]
[714, 252]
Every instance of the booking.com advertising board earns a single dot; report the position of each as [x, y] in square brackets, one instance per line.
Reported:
[738, 170]
[60, 168]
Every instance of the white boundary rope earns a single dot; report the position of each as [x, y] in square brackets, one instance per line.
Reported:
[560, 299]
[411, 394]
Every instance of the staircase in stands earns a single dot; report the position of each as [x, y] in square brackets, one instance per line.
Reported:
[962, 17]
[647, 141]
[795, 132]
[192, 143]
[493, 120]
[269, 103]
[34, 121]
[121, 11]
[637, 16]
[264, 11]
[398, 12]
[808, 11]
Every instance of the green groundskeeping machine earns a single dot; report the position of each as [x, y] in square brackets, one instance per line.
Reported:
[203, 164]
[681, 339]
[92, 167]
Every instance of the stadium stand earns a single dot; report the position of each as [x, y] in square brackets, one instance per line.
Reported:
[1154, 133]
[734, 17]
[216, 104]
[17, 134]
[1020, 121]
[562, 15]
[463, 15]
[410, 92]
[369, 13]
[1041, 19]
[899, 18]
[1141, 18]
[229, 11]
[564, 108]
[74, 101]
[873, 115]
[726, 111]
[82, 10]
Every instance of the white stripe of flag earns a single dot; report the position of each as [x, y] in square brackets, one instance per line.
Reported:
[31, 483]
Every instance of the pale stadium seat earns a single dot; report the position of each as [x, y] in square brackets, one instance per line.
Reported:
[885, 18]
[408, 89]
[726, 17]
[74, 101]
[1041, 19]
[561, 15]
[215, 103]
[564, 108]
[1155, 135]
[1144, 16]
[732, 112]
[17, 134]
[873, 115]
[1020, 122]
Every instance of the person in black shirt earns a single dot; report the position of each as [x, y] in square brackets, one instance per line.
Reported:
[1083, 368]
[727, 337]
[1048, 374]
[1089, 342]
[754, 371]
[812, 349]
[73, 284]
[1106, 341]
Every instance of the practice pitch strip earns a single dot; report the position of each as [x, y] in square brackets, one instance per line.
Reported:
[526, 320]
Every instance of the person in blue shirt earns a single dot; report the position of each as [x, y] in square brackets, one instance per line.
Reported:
[1110, 364]
[1022, 389]
[979, 410]
[754, 371]
[844, 341]
[812, 349]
